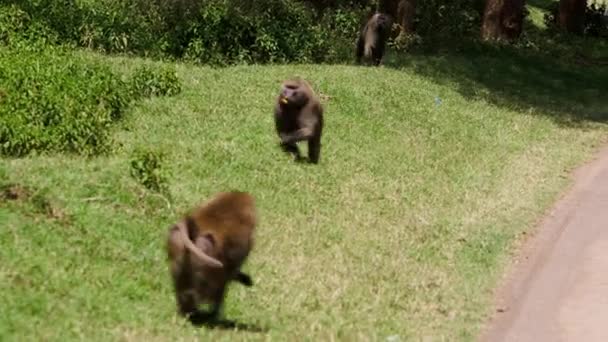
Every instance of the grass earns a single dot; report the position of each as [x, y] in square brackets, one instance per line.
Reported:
[431, 170]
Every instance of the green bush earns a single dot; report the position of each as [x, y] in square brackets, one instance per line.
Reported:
[146, 168]
[148, 82]
[229, 31]
[18, 28]
[448, 21]
[53, 101]
[595, 23]
[213, 31]
[106, 25]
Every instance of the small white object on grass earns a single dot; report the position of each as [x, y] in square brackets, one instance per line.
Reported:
[393, 338]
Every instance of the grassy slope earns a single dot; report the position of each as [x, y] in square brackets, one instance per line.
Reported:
[401, 230]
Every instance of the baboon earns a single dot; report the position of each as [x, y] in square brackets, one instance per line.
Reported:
[298, 117]
[372, 39]
[206, 250]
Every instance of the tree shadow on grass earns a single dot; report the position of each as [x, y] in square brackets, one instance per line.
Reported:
[570, 93]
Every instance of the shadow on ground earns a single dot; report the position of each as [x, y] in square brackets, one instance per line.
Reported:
[569, 92]
[203, 320]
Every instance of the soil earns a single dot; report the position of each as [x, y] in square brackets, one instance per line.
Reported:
[557, 289]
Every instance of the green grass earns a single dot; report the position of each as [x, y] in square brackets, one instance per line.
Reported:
[538, 8]
[402, 229]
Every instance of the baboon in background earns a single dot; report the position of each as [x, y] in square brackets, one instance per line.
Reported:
[298, 117]
[206, 250]
[373, 37]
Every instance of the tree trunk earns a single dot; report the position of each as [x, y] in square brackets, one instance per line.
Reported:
[502, 19]
[401, 11]
[389, 7]
[406, 13]
[572, 15]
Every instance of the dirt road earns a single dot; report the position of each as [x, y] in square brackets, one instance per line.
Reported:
[558, 289]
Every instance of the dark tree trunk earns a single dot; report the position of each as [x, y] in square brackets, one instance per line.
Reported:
[402, 12]
[389, 7]
[406, 13]
[502, 19]
[572, 15]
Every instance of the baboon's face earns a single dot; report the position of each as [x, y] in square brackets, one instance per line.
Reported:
[382, 20]
[293, 94]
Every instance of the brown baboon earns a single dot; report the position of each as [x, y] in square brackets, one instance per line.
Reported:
[299, 117]
[373, 37]
[207, 248]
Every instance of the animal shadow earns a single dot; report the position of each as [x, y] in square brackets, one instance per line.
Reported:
[201, 319]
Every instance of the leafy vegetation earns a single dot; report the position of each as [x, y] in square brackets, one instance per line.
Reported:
[53, 101]
[443, 21]
[216, 31]
[595, 22]
[17, 29]
[56, 101]
[146, 168]
[432, 167]
[427, 176]
[147, 82]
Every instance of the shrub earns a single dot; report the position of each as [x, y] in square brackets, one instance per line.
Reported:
[595, 24]
[17, 28]
[146, 168]
[106, 25]
[54, 101]
[596, 20]
[448, 21]
[336, 35]
[213, 31]
[148, 82]
[267, 31]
